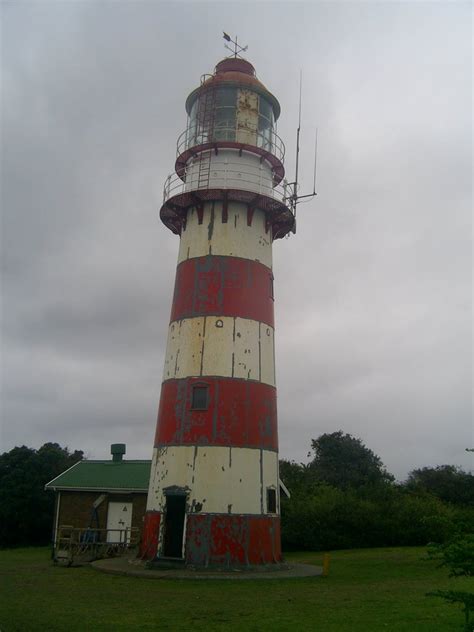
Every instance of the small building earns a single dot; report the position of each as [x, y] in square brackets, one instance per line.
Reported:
[100, 505]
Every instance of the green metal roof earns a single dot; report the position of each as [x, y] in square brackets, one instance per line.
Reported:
[103, 476]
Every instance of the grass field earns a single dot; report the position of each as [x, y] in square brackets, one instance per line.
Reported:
[367, 590]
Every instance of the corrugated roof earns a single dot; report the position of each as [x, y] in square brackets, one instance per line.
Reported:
[104, 475]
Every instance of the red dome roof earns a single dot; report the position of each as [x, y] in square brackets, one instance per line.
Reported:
[235, 64]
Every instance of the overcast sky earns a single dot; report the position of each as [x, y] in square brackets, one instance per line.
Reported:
[373, 293]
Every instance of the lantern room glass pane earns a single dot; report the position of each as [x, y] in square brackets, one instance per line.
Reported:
[265, 123]
[224, 120]
[191, 138]
[225, 110]
[226, 97]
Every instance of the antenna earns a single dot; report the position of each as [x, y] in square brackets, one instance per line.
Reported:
[315, 159]
[295, 183]
[237, 48]
[295, 198]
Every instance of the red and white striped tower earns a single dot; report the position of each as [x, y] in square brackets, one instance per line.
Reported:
[214, 487]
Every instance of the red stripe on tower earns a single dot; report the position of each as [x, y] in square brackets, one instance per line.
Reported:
[223, 540]
[234, 540]
[224, 286]
[238, 413]
[151, 529]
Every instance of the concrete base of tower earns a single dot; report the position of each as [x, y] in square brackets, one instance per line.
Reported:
[217, 540]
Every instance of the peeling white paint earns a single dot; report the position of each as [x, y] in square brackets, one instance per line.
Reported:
[233, 238]
[197, 347]
[214, 480]
[267, 354]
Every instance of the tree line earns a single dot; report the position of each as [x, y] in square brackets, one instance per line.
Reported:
[26, 509]
[343, 498]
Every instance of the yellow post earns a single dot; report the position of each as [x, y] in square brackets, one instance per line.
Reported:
[326, 562]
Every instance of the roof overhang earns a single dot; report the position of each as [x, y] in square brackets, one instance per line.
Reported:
[115, 490]
[284, 488]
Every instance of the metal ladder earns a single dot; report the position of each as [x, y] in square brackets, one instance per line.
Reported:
[205, 120]
[204, 171]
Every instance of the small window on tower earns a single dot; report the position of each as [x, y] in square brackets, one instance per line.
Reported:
[271, 500]
[272, 296]
[199, 398]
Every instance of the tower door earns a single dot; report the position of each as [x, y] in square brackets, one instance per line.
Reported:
[174, 525]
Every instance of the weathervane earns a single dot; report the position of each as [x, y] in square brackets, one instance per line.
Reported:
[237, 48]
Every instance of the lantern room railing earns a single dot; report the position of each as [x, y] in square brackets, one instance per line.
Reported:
[229, 175]
[266, 139]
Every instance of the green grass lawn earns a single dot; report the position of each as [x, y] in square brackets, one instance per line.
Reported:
[367, 590]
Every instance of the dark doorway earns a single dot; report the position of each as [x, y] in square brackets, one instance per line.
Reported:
[174, 525]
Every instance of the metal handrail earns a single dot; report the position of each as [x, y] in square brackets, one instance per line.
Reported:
[228, 175]
[193, 137]
[68, 535]
[78, 544]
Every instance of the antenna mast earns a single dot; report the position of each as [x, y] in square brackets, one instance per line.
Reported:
[295, 198]
[295, 183]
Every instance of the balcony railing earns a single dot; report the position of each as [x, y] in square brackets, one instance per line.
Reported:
[266, 140]
[76, 544]
[228, 175]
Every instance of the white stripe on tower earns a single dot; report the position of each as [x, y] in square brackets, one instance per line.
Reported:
[210, 473]
[220, 346]
[230, 238]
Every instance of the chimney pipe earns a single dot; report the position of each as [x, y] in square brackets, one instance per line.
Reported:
[117, 450]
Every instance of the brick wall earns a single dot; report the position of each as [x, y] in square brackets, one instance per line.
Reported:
[76, 508]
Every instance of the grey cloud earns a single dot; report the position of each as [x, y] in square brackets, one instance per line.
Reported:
[374, 291]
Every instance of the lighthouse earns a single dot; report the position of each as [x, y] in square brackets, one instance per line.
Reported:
[214, 494]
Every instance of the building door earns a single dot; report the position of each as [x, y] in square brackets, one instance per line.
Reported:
[174, 525]
[119, 518]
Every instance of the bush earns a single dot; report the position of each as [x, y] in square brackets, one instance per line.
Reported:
[323, 517]
[458, 556]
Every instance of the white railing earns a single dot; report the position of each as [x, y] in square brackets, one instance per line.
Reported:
[227, 175]
[267, 140]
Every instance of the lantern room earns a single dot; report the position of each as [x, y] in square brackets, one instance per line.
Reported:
[230, 151]
[232, 109]
[234, 106]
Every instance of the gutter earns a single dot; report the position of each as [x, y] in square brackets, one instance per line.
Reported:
[97, 489]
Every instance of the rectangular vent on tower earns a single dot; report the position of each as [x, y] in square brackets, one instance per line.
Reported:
[200, 397]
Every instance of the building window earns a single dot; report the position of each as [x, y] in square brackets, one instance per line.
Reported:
[272, 296]
[271, 500]
[200, 397]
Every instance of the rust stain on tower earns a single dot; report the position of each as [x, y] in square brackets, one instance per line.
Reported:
[214, 487]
